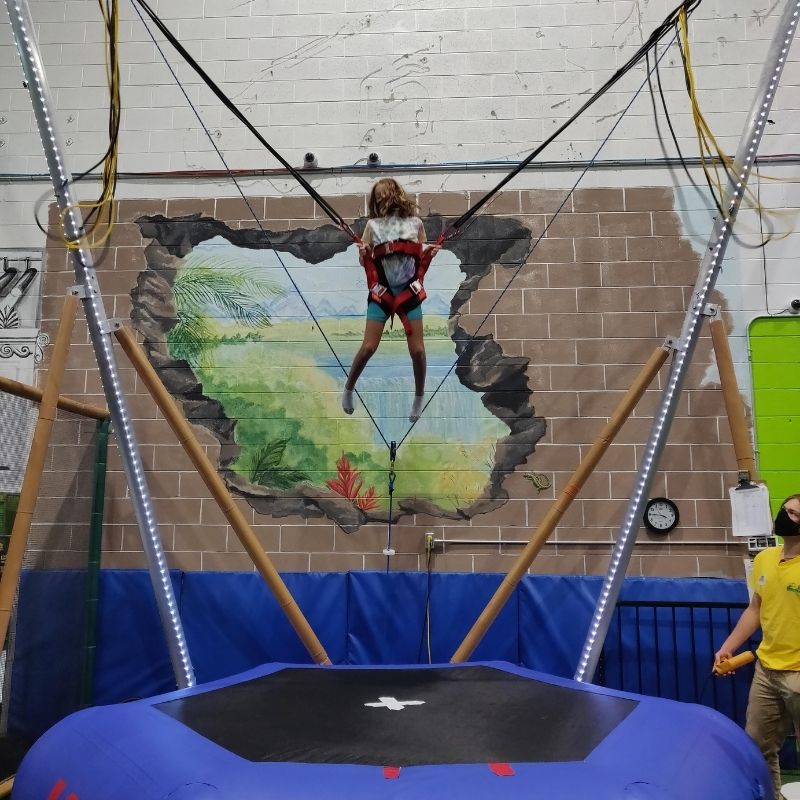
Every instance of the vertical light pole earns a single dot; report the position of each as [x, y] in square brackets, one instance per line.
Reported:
[100, 332]
[709, 270]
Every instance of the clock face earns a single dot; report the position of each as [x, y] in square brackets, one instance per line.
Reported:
[660, 515]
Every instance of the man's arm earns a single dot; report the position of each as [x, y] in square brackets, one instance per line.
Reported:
[748, 624]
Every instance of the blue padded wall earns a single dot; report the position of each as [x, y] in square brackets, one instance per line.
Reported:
[132, 655]
[386, 621]
[232, 623]
[49, 631]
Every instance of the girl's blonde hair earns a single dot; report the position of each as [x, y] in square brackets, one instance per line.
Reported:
[387, 198]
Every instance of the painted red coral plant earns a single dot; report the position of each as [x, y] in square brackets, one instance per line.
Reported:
[349, 483]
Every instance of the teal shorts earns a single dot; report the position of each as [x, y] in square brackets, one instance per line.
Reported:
[377, 314]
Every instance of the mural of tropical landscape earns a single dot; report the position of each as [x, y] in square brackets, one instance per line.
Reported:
[270, 337]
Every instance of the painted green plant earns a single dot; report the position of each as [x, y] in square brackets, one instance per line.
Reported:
[264, 466]
[208, 288]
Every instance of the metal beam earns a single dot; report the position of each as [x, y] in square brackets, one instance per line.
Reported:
[709, 270]
[97, 321]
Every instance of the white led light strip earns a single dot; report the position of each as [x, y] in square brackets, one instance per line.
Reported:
[709, 269]
[30, 56]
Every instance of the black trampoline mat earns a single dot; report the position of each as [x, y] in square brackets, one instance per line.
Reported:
[460, 715]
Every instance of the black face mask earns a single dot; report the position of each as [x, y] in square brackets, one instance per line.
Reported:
[785, 525]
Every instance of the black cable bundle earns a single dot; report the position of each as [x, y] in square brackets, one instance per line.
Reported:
[662, 30]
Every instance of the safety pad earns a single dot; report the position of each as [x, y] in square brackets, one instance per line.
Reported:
[233, 622]
[601, 744]
[387, 617]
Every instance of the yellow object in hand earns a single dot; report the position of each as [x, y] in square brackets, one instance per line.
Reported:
[730, 664]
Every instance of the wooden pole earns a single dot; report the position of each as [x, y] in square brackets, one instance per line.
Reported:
[219, 491]
[29, 392]
[561, 504]
[35, 467]
[734, 407]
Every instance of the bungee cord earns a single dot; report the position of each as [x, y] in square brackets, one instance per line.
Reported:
[539, 238]
[234, 109]
[455, 228]
[686, 8]
[257, 220]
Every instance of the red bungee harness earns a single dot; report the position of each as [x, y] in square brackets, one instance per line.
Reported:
[413, 293]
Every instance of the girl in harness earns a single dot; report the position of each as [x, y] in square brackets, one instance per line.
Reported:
[395, 259]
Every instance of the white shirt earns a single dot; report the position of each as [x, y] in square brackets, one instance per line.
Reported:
[398, 267]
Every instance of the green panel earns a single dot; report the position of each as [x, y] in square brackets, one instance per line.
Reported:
[774, 374]
[775, 358]
[777, 429]
[767, 328]
[773, 402]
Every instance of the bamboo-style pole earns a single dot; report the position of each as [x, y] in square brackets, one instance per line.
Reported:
[219, 491]
[562, 503]
[33, 471]
[734, 407]
[29, 392]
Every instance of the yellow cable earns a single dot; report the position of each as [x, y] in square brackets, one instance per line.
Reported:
[104, 205]
[708, 145]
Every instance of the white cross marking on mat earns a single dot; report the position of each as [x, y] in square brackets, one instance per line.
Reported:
[393, 704]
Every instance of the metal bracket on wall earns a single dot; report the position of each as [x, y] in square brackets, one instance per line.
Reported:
[81, 291]
[671, 343]
[110, 325]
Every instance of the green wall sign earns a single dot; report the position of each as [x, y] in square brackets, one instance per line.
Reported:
[775, 359]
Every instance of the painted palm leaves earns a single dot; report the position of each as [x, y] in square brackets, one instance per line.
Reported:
[208, 290]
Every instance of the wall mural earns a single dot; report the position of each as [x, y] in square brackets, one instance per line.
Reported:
[253, 334]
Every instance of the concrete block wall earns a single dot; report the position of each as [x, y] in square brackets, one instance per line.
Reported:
[426, 83]
[432, 84]
[609, 283]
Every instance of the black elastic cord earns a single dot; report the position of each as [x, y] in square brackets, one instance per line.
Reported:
[535, 244]
[392, 476]
[228, 103]
[257, 220]
[652, 41]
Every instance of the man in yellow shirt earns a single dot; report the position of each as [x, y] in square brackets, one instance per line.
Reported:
[774, 702]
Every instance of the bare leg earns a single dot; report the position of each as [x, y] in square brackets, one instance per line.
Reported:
[372, 338]
[416, 349]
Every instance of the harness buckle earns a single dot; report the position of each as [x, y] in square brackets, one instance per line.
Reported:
[378, 290]
[415, 286]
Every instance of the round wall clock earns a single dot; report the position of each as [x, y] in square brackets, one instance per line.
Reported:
[660, 515]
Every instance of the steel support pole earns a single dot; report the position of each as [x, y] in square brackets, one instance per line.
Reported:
[709, 270]
[100, 333]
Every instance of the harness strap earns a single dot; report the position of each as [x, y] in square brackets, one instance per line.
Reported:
[412, 295]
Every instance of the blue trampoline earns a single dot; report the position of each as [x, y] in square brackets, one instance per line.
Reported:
[480, 730]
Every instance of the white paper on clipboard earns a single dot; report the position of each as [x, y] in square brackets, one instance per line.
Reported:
[750, 512]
